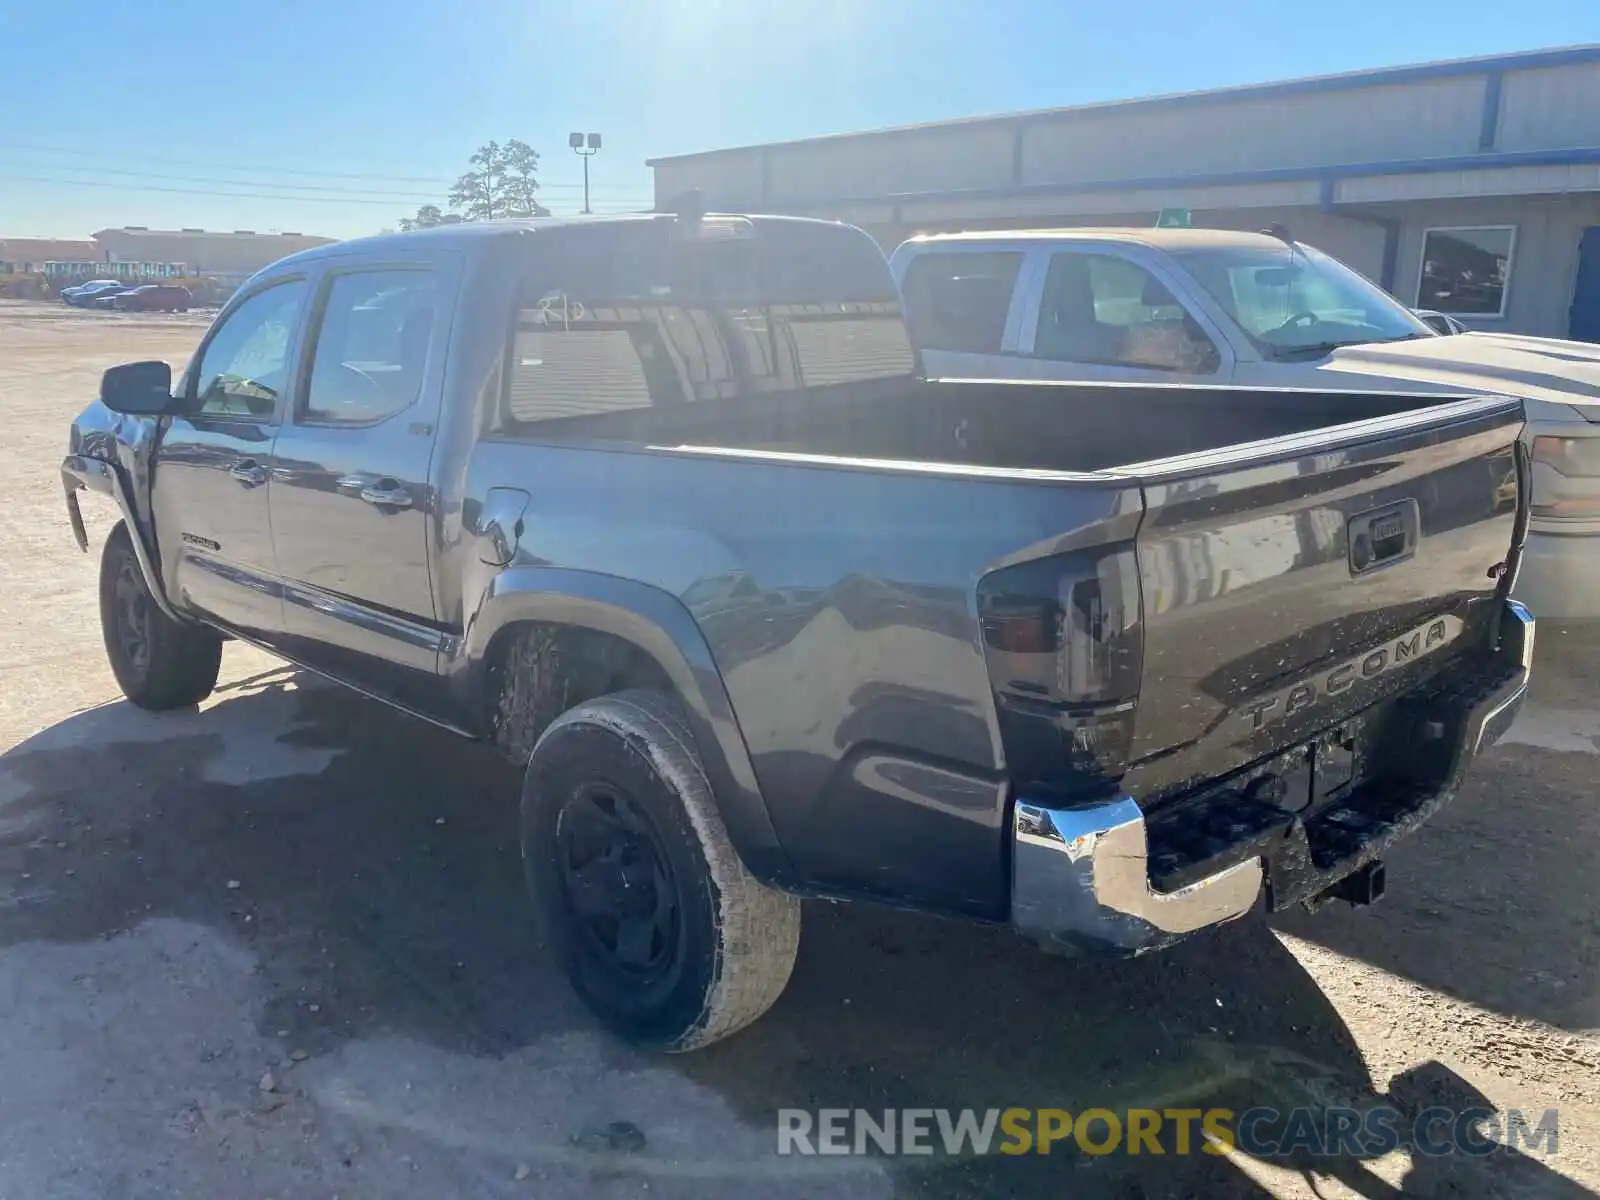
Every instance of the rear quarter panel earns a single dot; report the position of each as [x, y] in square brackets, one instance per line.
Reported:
[839, 606]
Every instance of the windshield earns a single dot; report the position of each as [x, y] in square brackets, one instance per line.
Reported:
[1296, 301]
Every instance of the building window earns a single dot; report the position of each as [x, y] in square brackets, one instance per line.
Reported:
[1466, 271]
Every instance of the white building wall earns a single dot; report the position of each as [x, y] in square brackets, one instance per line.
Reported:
[940, 158]
[1550, 107]
[1441, 117]
[729, 179]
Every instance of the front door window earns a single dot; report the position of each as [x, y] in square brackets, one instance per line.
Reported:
[1098, 308]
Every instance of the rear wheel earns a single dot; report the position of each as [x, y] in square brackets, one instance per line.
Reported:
[159, 663]
[660, 928]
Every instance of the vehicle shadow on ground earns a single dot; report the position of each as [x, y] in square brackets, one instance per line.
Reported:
[370, 864]
[1496, 900]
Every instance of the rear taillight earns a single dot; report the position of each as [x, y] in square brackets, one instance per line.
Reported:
[1063, 648]
[1566, 478]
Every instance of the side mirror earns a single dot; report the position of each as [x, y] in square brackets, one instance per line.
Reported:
[141, 389]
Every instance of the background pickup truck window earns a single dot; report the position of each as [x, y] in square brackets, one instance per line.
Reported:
[621, 346]
[960, 301]
[1098, 308]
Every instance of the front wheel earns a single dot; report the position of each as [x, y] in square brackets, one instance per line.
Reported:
[159, 663]
[661, 929]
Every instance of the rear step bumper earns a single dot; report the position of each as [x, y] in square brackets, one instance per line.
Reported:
[1081, 880]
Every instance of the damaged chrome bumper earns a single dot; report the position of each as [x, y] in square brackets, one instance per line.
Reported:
[1081, 876]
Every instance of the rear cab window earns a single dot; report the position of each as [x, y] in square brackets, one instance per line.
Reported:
[622, 332]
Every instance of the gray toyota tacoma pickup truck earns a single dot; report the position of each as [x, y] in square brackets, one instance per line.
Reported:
[663, 506]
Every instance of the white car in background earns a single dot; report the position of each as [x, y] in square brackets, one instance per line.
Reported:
[1257, 310]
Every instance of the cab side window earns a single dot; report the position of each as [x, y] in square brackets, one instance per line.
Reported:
[960, 302]
[1098, 308]
[245, 365]
[370, 347]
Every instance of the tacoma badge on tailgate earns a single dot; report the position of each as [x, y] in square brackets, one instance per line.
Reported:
[1398, 652]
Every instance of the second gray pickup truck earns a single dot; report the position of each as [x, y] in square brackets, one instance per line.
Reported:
[663, 506]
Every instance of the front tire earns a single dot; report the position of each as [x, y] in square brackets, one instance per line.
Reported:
[159, 663]
[662, 931]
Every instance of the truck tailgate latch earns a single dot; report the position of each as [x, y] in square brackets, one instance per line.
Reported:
[499, 525]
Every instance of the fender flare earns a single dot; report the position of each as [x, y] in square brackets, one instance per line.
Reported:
[79, 471]
[659, 624]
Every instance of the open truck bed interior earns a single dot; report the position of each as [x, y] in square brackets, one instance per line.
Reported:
[1079, 427]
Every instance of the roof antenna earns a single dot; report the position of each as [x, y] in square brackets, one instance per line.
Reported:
[1281, 231]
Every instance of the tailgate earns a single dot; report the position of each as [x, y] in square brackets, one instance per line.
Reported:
[1290, 583]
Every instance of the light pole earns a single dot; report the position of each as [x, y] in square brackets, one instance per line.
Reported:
[585, 146]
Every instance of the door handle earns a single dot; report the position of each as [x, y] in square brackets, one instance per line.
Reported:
[386, 493]
[248, 472]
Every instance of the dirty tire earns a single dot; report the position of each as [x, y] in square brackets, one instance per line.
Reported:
[159, 663]
[732, 939]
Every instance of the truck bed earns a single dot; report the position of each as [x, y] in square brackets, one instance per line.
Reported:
[1077, 427]
[1220, 520]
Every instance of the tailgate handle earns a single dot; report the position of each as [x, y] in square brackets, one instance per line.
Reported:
[1383, 537]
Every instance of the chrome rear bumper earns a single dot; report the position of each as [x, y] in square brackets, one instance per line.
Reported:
[1081, 877]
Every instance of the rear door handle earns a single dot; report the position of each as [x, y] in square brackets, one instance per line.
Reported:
[248, 472]
[386, 493]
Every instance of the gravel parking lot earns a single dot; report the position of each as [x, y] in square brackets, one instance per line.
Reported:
[278, 947]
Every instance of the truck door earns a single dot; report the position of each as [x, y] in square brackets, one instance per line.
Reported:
[209, 490]
[352, 503]
[1094, 315]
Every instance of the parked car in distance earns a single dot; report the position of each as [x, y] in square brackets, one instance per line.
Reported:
[1440, 323]
[1255, 310]
[84, 294]
[661, 506]
[153, 297]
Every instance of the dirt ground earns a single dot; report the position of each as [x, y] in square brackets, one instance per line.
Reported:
[295, 883]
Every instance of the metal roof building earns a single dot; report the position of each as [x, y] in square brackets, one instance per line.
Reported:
[29, 254]
[222, 254]
[1470, 186]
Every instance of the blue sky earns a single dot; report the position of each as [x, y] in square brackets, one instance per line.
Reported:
[340, 116]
